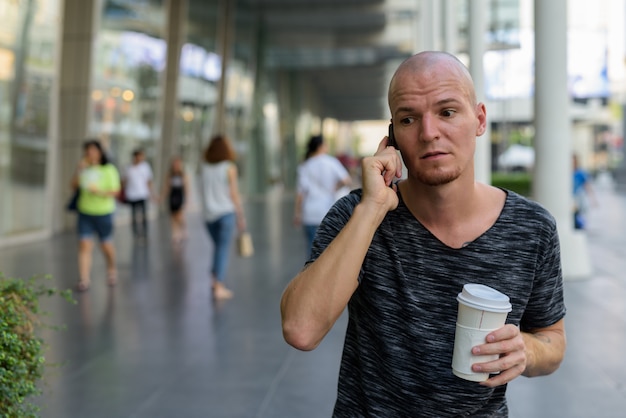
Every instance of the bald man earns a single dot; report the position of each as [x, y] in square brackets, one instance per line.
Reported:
[397, 253]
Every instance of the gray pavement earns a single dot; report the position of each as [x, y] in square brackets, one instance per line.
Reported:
[158, 346]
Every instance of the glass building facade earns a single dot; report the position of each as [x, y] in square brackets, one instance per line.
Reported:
[125, 96]
[28, 62]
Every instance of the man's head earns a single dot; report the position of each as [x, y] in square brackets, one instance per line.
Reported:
[138, 156]
[431, 61]
[436, 117]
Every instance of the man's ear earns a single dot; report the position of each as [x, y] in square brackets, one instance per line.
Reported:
[481, 114]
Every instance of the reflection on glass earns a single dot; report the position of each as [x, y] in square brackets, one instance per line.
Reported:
[28, 36]
[127, 78]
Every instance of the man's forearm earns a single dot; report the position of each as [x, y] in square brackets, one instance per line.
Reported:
[317, 296]
[544, 351]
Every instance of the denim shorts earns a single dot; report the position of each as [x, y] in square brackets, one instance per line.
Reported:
[101, 225]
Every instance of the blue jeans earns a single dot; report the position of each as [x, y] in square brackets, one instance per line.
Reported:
[309, 232]
[100, 225]
[222, 233]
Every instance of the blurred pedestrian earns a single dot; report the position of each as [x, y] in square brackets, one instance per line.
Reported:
[320, 177]
[175, 190]
[583, 193]
[137, 184]
[222, 207]
[99, 184]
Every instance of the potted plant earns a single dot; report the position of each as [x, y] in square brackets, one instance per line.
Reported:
[22, 362]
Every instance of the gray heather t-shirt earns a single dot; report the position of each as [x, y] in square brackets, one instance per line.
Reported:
[398, 348]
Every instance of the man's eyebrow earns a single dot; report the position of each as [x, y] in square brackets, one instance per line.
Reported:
[447, 101]
[443, 102]
[405, 109]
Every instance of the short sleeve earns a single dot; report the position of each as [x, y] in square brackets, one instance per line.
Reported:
[546, 305]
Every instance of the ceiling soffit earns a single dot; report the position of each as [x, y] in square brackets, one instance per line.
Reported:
[339, 46]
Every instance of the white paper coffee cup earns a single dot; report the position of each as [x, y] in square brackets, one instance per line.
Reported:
[482, 309]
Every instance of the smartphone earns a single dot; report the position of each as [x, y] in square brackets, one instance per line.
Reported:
[392, 139]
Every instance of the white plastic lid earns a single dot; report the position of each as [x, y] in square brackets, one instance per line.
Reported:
[484, 298]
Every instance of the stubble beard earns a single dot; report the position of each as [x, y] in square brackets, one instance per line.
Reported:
[437, 176]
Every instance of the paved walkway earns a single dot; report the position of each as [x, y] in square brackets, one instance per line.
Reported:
[158, 346]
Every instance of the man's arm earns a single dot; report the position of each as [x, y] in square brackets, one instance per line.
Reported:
[545, 348]
[316, 297]
[535, 353]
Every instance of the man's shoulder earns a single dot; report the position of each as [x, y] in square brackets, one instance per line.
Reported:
[523, 208]
[519, 201]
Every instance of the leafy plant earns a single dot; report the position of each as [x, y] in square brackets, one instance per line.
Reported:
[517, 182]
[22, 362]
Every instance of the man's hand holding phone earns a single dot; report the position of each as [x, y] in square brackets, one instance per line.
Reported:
[378, 173]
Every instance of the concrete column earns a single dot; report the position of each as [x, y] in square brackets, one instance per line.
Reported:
[78, 31]
[552, 184]
[289, 105]
[256, 157]
[477, 30]
[450, 26]
[436, 25]
[226, 29]
[175, 38]
[619, 173]
[425, 27]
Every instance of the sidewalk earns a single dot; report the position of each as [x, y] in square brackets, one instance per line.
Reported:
[158, 346]
[591, 381]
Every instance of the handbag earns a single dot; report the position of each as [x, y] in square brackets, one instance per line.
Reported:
[72, 204]
[121, 196]
[245, 248]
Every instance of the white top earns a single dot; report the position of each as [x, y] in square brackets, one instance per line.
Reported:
[216, 190]
[318, 178]
[136, 180]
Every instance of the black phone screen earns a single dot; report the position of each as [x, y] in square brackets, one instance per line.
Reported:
[392, 138]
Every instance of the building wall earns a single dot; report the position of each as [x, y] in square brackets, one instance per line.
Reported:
[28, 45]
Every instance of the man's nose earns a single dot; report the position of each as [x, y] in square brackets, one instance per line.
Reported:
[428, 128]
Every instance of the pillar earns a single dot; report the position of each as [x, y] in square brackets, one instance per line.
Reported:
[175, 38]
[80, 23]
[426, 27]
[552, 182]
[226, 28]
[289, 105]
[450, 26]
[256, 157]
[477, 30]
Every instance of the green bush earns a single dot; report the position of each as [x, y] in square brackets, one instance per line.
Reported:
[22, 361]
[518, 182]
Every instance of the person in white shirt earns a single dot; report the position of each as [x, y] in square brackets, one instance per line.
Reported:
[137, 191]
[320, 177]
[222, 207]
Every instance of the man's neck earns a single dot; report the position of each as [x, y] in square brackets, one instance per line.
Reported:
[455, 213]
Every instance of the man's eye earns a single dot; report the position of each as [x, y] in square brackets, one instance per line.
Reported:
[447, 112]
[406, 121]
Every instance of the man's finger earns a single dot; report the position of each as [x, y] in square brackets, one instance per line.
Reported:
[382, 144]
